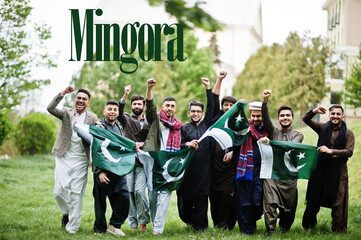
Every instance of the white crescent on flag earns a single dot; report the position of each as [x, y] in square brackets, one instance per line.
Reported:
[106, 153]
[168, 177]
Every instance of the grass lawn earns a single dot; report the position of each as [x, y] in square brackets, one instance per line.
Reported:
[28, 209]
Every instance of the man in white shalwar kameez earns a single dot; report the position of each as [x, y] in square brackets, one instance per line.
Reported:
[71, 157]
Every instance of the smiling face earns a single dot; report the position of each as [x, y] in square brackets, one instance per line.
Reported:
[137, 107]
[256, 118]
[285, 118]
[169, 108]
[336, 116]
[195, 114]
[81, 102]
[111, 112]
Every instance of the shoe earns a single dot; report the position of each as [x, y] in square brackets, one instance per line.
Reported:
[142, 227]
[155, 233]
[134, 228]
[115, 231]
[64, 220]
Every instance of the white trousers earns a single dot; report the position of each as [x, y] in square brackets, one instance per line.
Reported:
[69, 203]
[159, 201]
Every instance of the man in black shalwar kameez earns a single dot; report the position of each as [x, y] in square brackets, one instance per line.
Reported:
[223, 168]
[194, 191]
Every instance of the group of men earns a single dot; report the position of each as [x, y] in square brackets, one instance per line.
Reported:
[230, 178]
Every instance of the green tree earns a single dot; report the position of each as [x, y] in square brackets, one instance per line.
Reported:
[352, 93]
[189, 17]
[5, 126]
[21, 51]
[263, 70]
[295, 71]
[307, 60]
[180, 80]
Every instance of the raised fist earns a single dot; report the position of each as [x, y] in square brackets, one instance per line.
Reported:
[222, 75]
[127, 89]
[151, 82]
[206, 82]
[267, 93]
[320, 110]
[68, 89]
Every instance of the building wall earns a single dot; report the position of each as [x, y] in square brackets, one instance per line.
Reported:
[352, 16]
[344, 34]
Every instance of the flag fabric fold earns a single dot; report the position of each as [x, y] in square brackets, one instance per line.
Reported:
[232, 128]
[109, 150]
[287, 160]
[165, 170]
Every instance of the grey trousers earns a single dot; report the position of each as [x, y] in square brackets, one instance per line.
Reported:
[138, 202]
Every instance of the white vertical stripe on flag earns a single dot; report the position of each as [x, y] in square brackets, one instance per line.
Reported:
[267, 160]
[148, 162]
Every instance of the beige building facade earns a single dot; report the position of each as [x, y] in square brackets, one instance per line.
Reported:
[344, 36]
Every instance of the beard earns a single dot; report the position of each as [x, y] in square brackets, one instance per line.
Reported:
[257, 123]
[195, 122]
[285, 125]
[137, 112]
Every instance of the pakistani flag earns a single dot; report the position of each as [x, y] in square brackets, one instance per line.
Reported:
[287, 160]
[109, 150]
[230, 129]
[165, 170]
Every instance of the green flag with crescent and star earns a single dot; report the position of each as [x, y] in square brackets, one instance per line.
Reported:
[165, 170]
[232, 128]
[169, 168]
[109, 150]
[287, 160]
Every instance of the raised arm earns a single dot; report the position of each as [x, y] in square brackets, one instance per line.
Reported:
[54, 103]
[209, 109]
[151, 111]
[315, 125]
[122, 102]
[267, 122]
[216, 93]
[217, 86]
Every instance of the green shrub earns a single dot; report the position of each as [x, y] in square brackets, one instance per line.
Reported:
[5, 126]
[35, 133]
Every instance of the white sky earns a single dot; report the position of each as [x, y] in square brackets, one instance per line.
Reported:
[279, 18]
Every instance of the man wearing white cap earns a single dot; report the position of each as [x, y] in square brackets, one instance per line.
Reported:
[248, 185]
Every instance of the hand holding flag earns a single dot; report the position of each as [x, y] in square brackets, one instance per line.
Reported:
[287, 160]
[230, 129]
[109, 150]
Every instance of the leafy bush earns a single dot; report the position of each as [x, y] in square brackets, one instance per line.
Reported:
[5, 126]
[35, 133]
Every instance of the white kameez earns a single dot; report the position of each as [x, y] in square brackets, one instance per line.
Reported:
[71, 172]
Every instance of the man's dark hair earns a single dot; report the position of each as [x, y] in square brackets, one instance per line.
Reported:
[169, 99]
[285, 108]
[111, 102]
[228, 99]
[195, 103]
[336, 106]
[83, 90]
[137, 97]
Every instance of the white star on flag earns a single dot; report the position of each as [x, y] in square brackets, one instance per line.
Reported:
[122, 148]
[300, 156]
[239, 118]
[182, 160]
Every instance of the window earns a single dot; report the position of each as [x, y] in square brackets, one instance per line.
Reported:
[335, 97]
